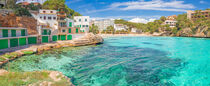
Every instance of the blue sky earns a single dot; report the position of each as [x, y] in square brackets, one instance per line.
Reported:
[128, 9]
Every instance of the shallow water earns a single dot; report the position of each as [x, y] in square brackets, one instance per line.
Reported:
[128, 61]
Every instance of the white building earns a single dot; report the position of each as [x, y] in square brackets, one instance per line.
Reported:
[47, 18]
[120, 27]
[133, 30]
[30, 1]
[103, 24]
[171, 23]
[82, 22]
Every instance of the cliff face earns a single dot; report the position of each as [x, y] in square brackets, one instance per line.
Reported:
[13, 21]
[200, 31]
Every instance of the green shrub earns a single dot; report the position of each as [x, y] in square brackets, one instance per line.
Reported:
[22, 12]
[2, 59]
[28, 52]
[10, 55]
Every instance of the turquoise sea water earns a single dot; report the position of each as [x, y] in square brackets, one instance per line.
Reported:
[128, 61]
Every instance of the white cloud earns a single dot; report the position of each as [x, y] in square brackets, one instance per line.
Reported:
[159, 5]
[135, 19]
[141, 20]
[72, 1]
[203, 2]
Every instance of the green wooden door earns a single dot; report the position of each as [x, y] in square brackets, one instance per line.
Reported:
[32, 40]
[5, 33]
[13, 33]
[77, 30]
[70, 24]
[45, 39]
[55, 38]
[69, 30]
[23, 32]
[63, 37]
[69, 37]
[22, 41]
[44, 32]
[13, 42]
[59, 37]
[4, 43]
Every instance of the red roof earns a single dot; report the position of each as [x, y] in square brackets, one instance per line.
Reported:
[25, 3]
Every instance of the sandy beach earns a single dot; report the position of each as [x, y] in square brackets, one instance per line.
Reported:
[119, 35]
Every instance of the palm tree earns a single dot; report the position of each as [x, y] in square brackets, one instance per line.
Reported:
[94, 29]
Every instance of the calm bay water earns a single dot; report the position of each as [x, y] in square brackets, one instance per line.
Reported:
[128, 61]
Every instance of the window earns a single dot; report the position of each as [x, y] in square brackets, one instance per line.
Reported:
[40, 17]
[63, 31]
[62, 24]
[80, 20]
[5, 33]
[23, 32]
[44, 32]
[49, 18]
[44, 17]
[77, 30]
[49, 33]
[13, 33]
[85, 20]
[51, 11]
[54, 18]
[83, 25]
[44, 11]
[70, 24]
[86, 25]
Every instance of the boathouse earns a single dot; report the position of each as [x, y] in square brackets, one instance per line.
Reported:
[14, 37]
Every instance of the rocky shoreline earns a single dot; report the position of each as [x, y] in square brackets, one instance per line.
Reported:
[56, 78]
[88, 39]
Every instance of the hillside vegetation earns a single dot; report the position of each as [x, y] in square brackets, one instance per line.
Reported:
[184, 27]
[60, 4]
[49, 4]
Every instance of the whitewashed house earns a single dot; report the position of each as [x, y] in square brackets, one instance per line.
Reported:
[48, 19]
[133, 30]
[171, 21]
[120, 27]
[82, 22]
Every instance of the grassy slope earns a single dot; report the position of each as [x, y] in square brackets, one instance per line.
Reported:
[28, 78]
